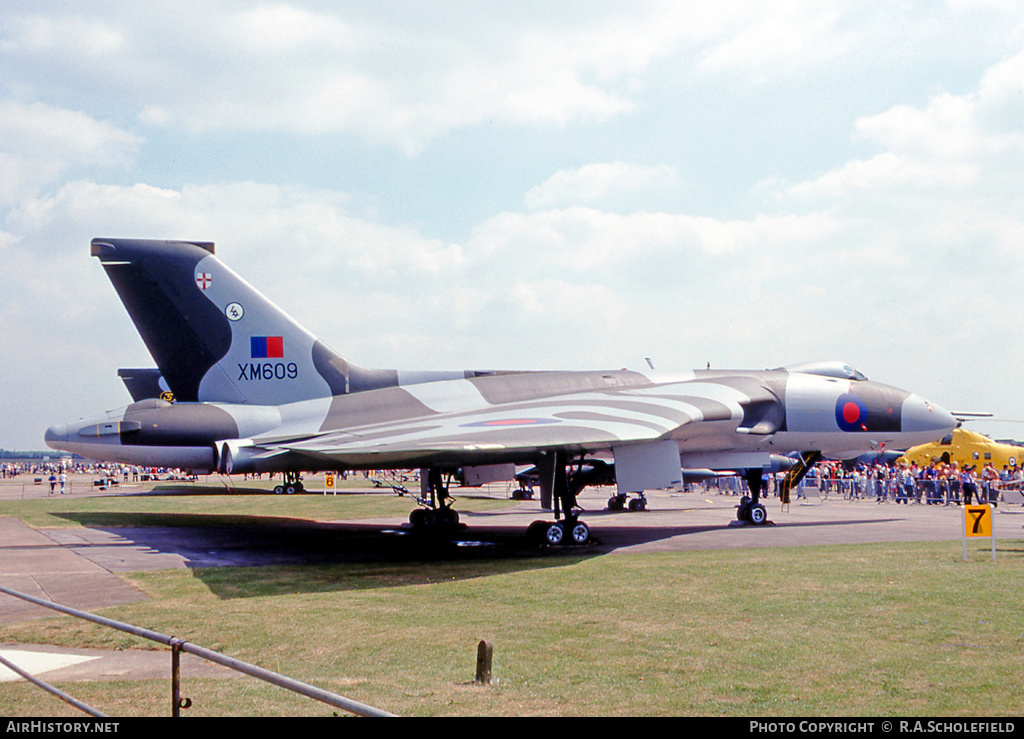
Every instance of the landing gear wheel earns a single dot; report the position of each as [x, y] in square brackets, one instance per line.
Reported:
[291, 483]
[424, 519]
[555, 534]
[536, 532]
[743, 509]
[580, 533]
[616, 502]
[750, 512]
[638, 504]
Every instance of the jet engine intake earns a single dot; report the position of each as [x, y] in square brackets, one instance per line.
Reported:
[235, 456]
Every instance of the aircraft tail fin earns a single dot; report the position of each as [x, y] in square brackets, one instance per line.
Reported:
[216, 338]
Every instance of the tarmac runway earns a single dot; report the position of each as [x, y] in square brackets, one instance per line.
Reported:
[79, 567]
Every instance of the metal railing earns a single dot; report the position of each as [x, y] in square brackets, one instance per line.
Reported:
[177, 647]
[942, 490]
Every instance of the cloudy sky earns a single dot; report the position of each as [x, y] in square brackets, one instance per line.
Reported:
[528, 185]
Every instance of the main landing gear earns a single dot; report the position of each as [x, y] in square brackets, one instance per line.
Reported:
[291, 484]
[560, 481]
[437, 513]
[618, 502]
[568, 531]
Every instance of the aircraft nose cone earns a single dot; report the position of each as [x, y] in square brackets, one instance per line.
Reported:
[922, 416]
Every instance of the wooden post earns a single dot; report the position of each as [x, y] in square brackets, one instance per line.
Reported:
[484, 655]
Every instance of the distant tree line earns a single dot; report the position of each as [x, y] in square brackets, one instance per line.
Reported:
[5, 454]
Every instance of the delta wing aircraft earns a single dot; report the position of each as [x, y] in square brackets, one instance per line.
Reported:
[255, 392]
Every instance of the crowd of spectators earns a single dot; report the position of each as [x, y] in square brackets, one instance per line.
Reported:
[52, 470]
[938, 483]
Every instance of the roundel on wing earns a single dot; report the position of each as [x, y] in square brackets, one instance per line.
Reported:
[851, 413]
[505, 422]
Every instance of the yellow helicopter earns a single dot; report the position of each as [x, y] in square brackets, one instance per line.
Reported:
[965, 448]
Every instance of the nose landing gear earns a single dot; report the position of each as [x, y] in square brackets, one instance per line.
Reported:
[750, 510]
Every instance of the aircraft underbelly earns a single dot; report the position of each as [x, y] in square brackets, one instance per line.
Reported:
[197, 458]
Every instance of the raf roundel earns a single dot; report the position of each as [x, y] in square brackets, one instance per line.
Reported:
[851, 413]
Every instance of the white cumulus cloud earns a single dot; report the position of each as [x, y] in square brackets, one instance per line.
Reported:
[597, 183]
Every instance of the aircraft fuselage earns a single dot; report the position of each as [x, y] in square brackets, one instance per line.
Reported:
[745, 416]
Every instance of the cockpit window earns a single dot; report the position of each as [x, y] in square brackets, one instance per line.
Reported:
[855, 374]
[839, 370]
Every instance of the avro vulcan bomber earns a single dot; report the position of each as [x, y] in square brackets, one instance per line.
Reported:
[250, 390]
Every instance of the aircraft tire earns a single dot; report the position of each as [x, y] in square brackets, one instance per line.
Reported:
[743, 510]
[536, 531]
[580, 533]
[554, 535]
[758, 514]
[279, 490]
[638, 504]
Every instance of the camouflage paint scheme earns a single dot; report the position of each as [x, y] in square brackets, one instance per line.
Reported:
[253, 391]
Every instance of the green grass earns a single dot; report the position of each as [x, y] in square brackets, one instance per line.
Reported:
[889, 629]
